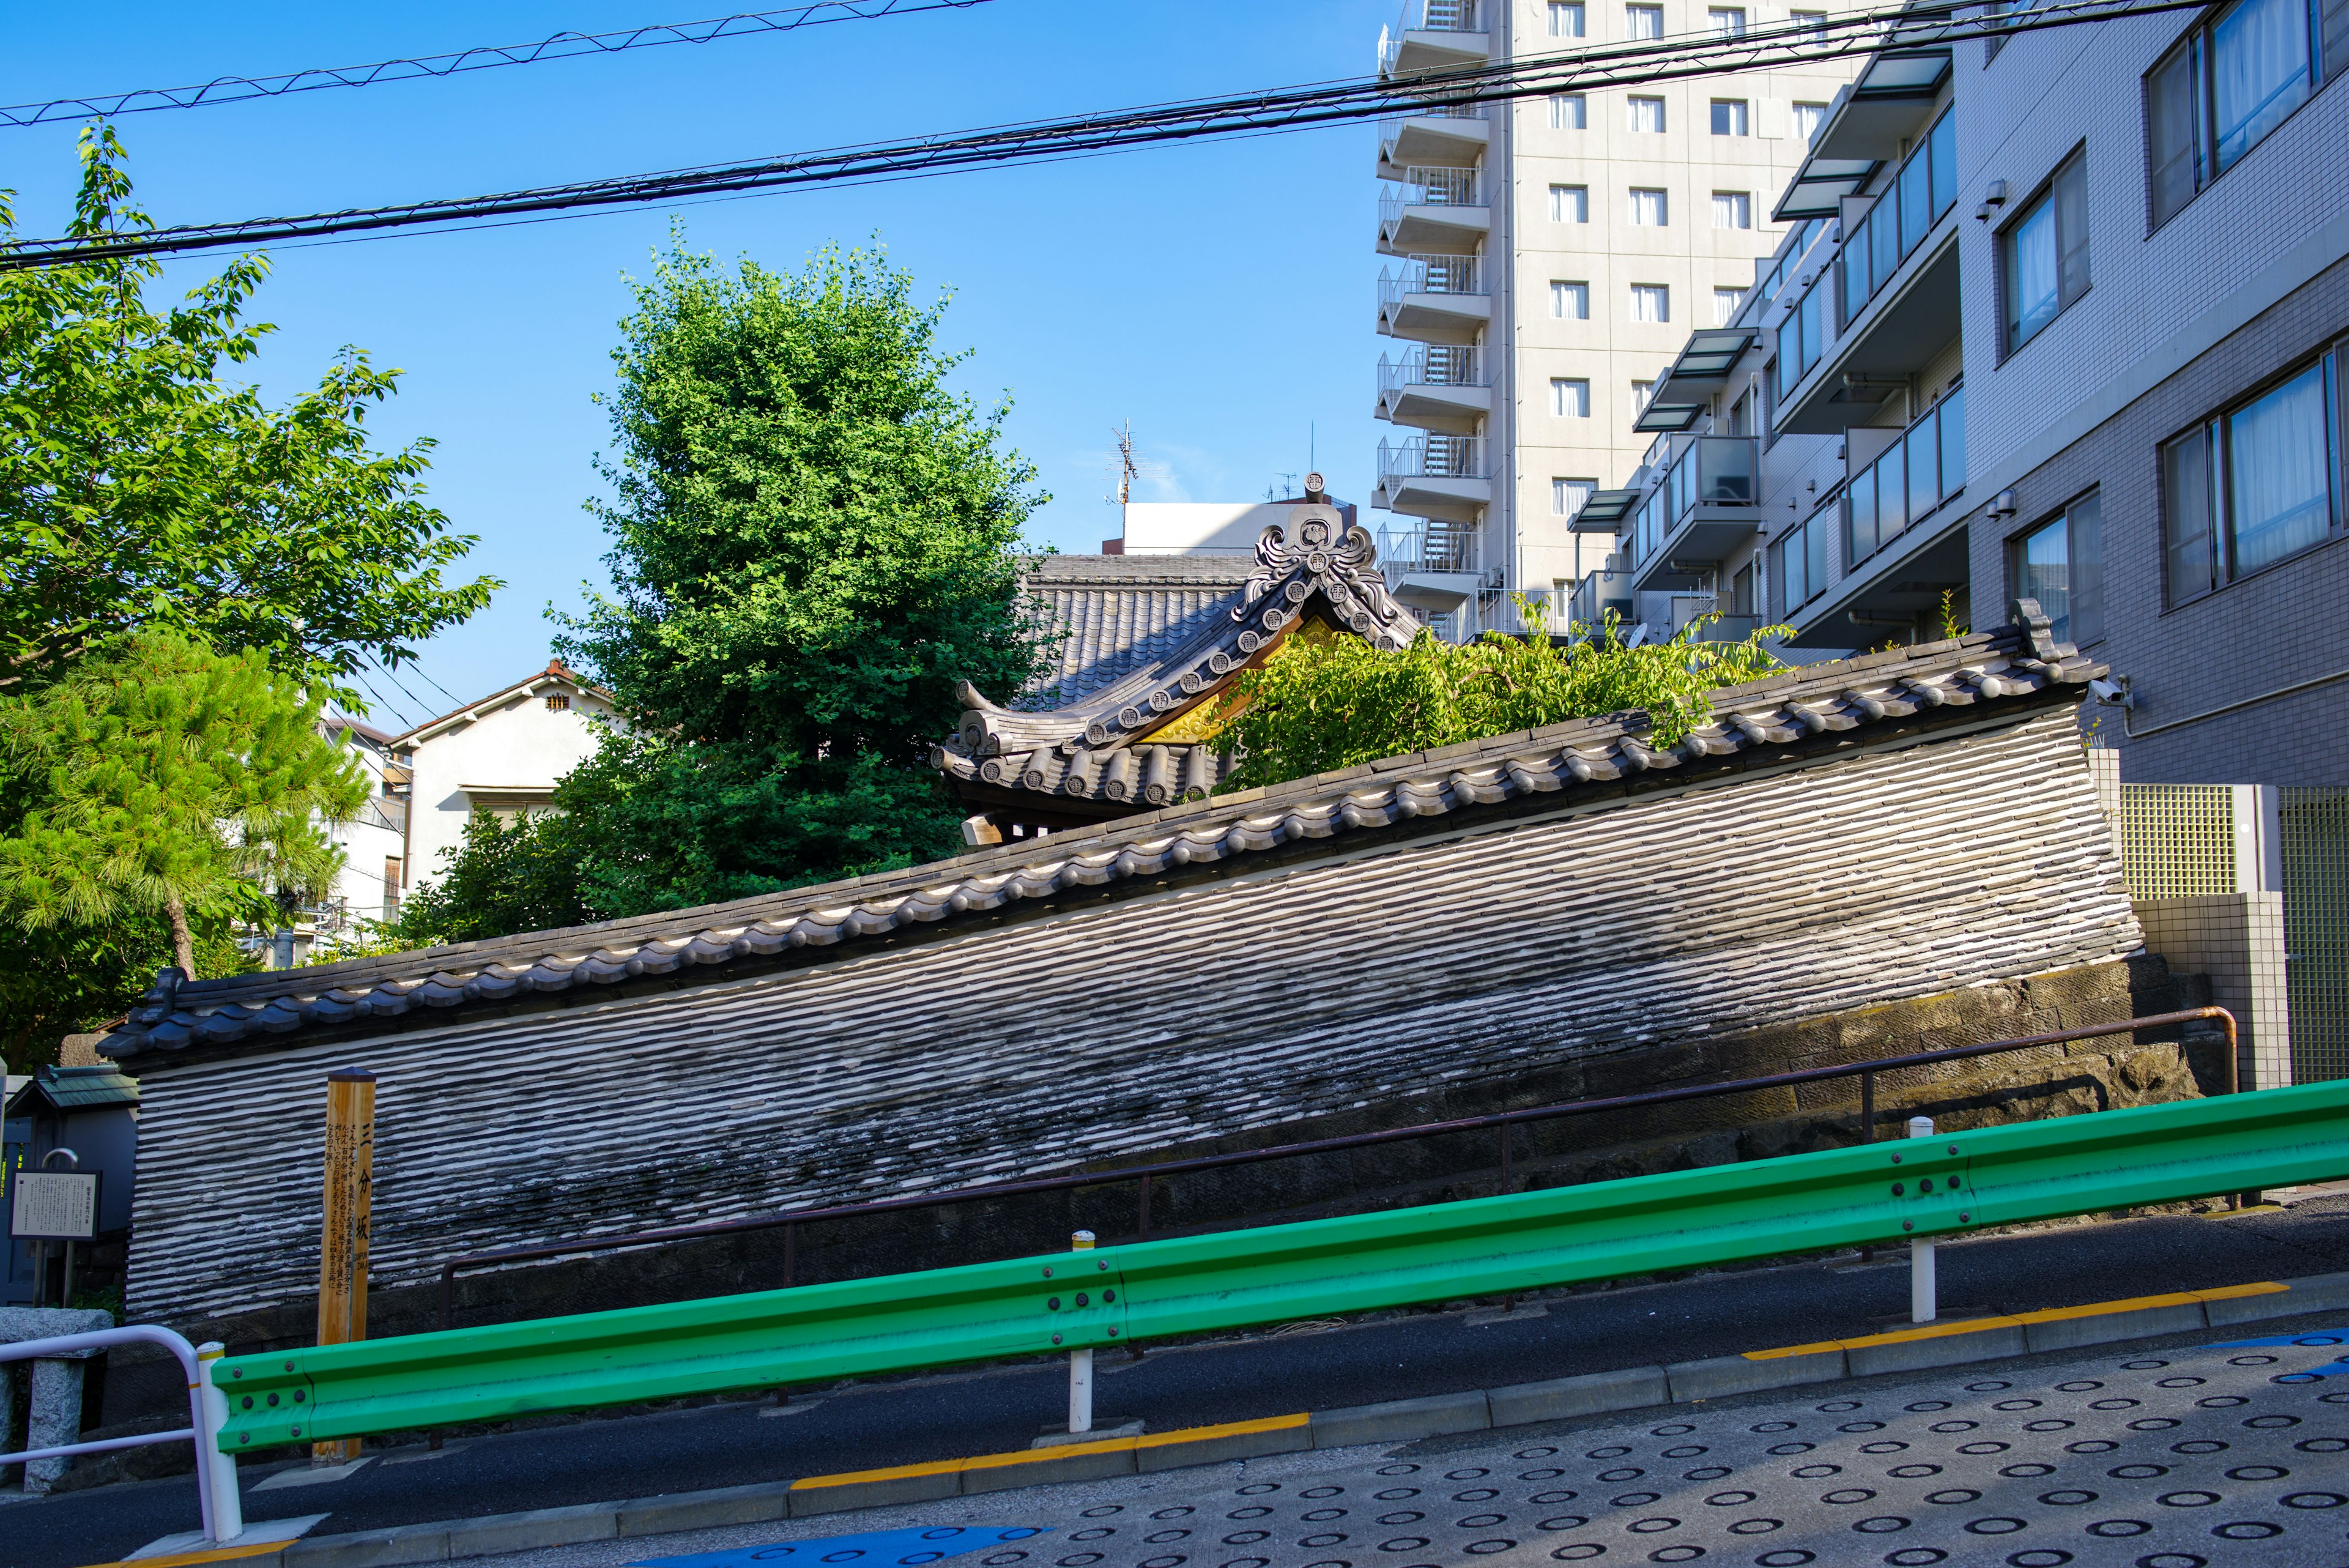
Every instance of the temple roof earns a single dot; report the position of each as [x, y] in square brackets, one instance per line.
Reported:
[1148, 639]
[1799, 718]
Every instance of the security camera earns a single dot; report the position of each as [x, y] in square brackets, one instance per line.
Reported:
[2113, 693]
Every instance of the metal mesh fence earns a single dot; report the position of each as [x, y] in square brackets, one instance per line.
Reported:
[2314, 830]
[2178, 841]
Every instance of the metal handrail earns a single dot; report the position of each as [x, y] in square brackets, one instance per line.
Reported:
[1434, 365]
[221, 1507]
[1432, 275]
[1432, 456]
[1145, 1175]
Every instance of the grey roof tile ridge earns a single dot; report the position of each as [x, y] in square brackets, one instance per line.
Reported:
[1987, 665]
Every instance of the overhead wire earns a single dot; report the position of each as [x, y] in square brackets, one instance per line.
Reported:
[1355, 98]
[562, 46]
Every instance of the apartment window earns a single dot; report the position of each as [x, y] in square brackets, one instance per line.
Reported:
[1741, 590]
[1568, 111]
[2061, 563]
[1641, 392]
[1651, 302]
[1798, 563]
[1725, 302]
[1808, 118]
[391, 887]
[1570, 301]
[2045, 253]
[2255, 485]
[1732, 210]
[1729, 116]
[1643, 21]
[2229, 83]
[1570, 204]
[1566, 495]
[1648, 115]
[1570, 398]
[1565, 20]
[1650, 207]
[1810, 21]
[1725, 22]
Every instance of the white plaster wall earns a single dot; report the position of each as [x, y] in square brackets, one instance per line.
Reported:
[518, 748]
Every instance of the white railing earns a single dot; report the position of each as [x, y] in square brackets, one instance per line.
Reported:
[1434, 365]
[1425, 547]
[1433, 457]
[216, 1493]
[1441, 17]
[1430, 188]
[1432, 275]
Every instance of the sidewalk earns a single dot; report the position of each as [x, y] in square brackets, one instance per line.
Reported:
[874, 1426]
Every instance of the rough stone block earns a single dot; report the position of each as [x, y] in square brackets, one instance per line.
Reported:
[1986, 1344]
[1402, 1420]
[1722, 1375]
[1560, 1399]
[2104, 1327]
[757, 1504]
[880, 1491]
[979, 1476]
[2316, 1293]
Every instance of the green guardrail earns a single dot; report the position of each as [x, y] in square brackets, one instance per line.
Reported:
[1917, 1188]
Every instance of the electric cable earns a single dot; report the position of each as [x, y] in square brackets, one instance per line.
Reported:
[1636, 64]
[382, 669]
[561, 46]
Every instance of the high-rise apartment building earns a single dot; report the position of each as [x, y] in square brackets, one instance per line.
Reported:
[1546, 260]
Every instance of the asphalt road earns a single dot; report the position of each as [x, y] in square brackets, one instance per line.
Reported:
[873, 1423]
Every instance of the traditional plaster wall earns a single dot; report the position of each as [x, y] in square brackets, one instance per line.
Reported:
[1368, 975]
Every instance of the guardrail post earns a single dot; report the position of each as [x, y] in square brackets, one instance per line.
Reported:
[1922, 1293]
[1081, 1363]
[217, 1471]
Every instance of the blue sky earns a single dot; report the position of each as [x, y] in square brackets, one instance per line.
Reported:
[1218, 296]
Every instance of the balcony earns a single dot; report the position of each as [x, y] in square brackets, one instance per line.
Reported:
[1441, 209]
[1432, 565]
[1702, 509]
[1434, 299]
[1599, 593]
[1894, 288]
[1905, 481]
[1439, 136]
[1434, 36]
[1443, 477]
[1438, 388]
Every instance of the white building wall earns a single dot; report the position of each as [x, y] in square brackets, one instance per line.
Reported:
[1527, 346]
[505, 754]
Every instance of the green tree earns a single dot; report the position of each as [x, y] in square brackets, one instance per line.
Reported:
[137, 489]
[157, 777]
[520, 874]
[813, 541]
[1334, 704]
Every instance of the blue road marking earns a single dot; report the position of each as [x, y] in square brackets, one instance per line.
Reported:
[2322, 1339]
[872, 1549]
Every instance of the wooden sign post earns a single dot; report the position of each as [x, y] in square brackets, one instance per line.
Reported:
[343, 1246]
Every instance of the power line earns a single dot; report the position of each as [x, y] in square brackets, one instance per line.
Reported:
[1286, 108]
[397, 685]
[562, 45]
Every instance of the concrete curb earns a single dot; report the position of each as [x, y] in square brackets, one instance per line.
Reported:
[1400, 1421]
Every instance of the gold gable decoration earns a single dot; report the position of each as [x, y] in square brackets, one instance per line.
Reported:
[1197, 726]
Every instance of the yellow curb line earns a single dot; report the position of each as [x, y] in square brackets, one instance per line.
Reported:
[2018, 1320]
[209, 1554]
[1059, 1451]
